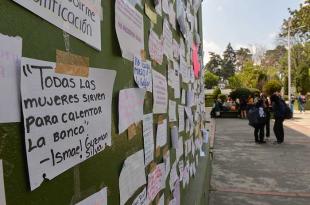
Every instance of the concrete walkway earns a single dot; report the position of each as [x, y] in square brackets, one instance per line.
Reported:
[245, 173]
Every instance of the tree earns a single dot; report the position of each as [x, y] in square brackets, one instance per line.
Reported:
[235, 81]
[303, 78]
[300, 22]
[216, 92]
[261, 81]
[229, 62]
[242, 55]
[272, 57]
[272, 86]
[210, 79]
[215, 63]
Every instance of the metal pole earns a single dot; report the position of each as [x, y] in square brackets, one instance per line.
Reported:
[289, 62]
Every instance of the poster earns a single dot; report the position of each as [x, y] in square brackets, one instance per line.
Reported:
[132, 176]
[172, 111]
[160, 93]
[167, 34]
[148, 138]
[130, 107]
[99, 197]
[161, 134]
[129, 29]
[2, 190]
[81, 21]
[143, 73]
[67, 119]
[10, 57]
[156, 47]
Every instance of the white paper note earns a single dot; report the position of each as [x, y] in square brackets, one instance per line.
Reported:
[67, 119]
[161, 134]
[172, 111]
[130, 107]
[175, 137]
[98, 198]
[167, 163]
[160, 93]
[141, 199]
[162, 200]
[181, 118]
[156, 47]
[148, 138]
[143, 73]
[2, 190]
[129, 29]
[155, 181]
[167, 34]
[132, 176]
[183, 95]
[10, 56]
[81, 22]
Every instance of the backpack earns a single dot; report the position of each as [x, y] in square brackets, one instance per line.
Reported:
[254, 117]
[286, 110]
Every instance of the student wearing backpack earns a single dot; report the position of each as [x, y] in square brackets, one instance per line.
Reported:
[278, 108]
[259, 127]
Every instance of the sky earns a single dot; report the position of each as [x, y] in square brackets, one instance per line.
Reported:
[243, 23]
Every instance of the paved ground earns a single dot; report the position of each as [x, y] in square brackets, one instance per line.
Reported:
[245, 173]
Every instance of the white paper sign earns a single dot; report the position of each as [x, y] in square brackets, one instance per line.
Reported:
[148, 138]
[98, 198]
[143, 73]
[129, 29]
[2, 190]
[141, 199]
[183, 96]
[160, 93]
[132, 176]
[155, 182]
[67, 119]
[175, 137]
[176, 49]
[161, 134]
[172, 111]
[181, 118]
[158, 8]
[78, 18]
[167, 34]
[130, 107]
[10, 56]
[156, 47]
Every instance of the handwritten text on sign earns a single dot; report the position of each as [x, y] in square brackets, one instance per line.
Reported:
[79, 18]
[143, 73]
[67, 119]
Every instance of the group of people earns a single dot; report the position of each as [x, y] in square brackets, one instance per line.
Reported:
[280, 111]
[301, 101]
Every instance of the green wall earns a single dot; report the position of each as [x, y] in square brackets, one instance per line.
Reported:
[40, 41]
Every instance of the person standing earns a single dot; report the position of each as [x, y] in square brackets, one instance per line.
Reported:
[292, 102]
[259, 127]
[278, 108]
[301, 103]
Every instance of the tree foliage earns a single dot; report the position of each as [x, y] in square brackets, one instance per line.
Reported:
[303, 78]
[272, 87]
[235, 82]
[229, 62]
[210, 79]
[215, 63]
[242, 55]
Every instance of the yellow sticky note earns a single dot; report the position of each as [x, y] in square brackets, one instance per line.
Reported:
[150, 13]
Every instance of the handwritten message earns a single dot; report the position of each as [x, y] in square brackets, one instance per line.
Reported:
[130, 107]
[156, 47]
[67, 119]
[129, 29]
[172, 111]
[161, 134]
[141, 199]
[155, 181]
[143, 73]
[79, 18]
[167, 34]
[160, 93]
[181, 118]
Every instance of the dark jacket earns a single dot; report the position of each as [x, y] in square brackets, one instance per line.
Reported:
[277, 106]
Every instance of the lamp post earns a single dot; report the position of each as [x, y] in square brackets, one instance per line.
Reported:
[289, 63]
